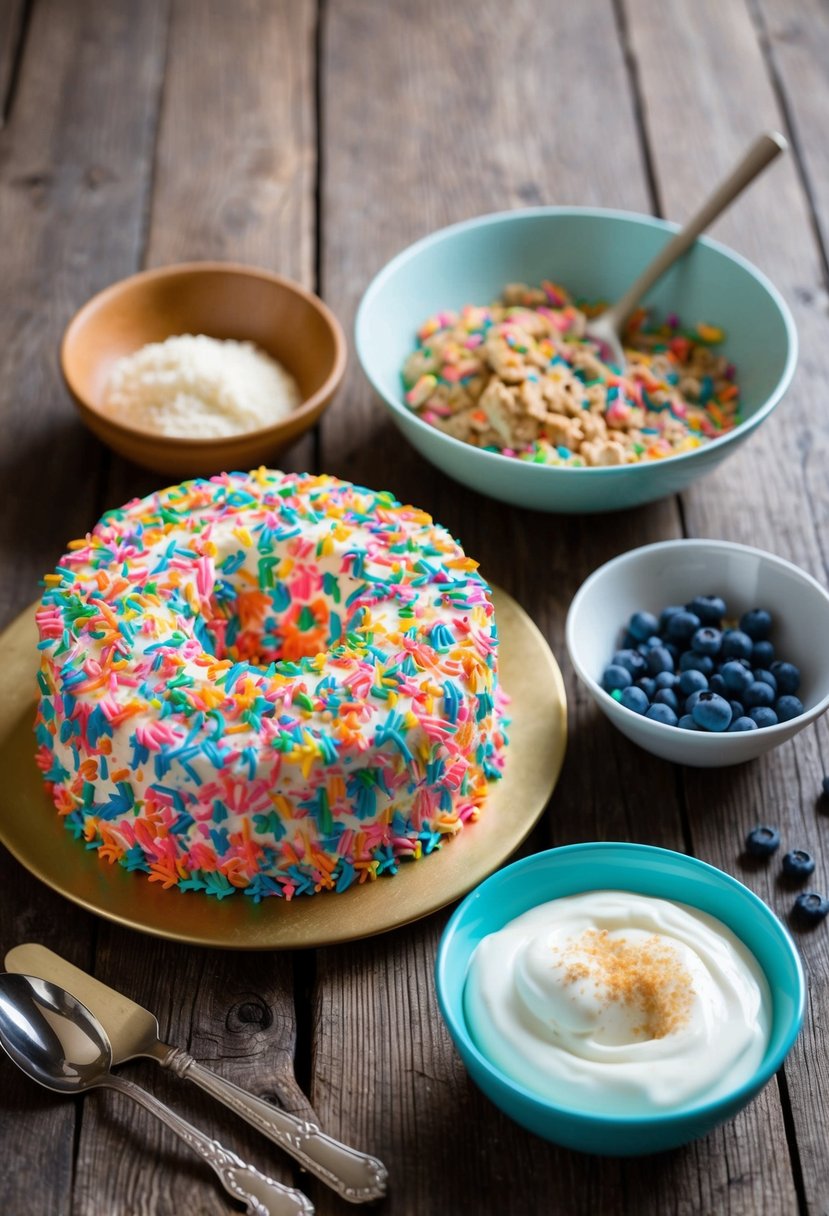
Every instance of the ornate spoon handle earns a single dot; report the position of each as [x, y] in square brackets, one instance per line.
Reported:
[355, 1176]
[262, 1196]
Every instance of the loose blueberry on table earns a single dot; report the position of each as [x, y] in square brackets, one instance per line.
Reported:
[798, 864]
[688, 668]
[811, 907]
[762, 841]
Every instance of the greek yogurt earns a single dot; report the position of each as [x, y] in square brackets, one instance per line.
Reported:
[621, 1003]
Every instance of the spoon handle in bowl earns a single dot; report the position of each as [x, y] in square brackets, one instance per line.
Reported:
[262, 1196]
[354, 1175]
[760, 153]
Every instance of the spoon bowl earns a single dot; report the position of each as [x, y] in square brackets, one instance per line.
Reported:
[51, 1036]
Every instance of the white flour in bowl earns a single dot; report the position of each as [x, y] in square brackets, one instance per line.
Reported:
[196, 387]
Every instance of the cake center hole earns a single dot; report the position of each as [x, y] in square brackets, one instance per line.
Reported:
[260, 619]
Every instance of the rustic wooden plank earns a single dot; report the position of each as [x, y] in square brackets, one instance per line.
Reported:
[77, 149]
[12, 19]
[235, 1014]
[797, 41]
[797, 44]
[235, 161]
[70, 159]
[772, 493]
[478, 136]
[36, 1127]
[239, 113]
[234, 180]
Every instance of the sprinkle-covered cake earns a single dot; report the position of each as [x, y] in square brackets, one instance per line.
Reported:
[278, 683]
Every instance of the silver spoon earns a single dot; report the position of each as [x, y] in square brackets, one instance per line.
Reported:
[607, 327]
[57, 1042]
[133, 1031]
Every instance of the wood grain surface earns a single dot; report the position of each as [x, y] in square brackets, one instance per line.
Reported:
[318, 139]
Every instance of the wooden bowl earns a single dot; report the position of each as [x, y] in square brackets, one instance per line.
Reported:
[221, 300]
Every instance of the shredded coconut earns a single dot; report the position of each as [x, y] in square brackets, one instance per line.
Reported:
[197, 387]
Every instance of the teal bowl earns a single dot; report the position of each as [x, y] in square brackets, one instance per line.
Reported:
[596, 255]
[574, 870]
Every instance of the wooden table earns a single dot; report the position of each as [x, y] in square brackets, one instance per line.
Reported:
[317, 140]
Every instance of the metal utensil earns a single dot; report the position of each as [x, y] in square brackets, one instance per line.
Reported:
[57, 1042]
[133, 1031]
[607, 327]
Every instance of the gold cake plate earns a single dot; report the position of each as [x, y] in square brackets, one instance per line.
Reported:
[32, 831]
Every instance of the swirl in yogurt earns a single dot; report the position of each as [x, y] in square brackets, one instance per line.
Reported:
[619, 1002]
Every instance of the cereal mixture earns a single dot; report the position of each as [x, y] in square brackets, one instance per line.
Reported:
[519, 377]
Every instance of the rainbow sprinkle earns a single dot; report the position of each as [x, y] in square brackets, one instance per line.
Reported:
[274, 683]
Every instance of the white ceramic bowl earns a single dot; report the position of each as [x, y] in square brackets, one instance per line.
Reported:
[673, 572]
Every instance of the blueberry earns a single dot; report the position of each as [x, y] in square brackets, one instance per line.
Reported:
[615, 676]
[692, 700]
[762, 841]
[765, 677]
[742, 723]
[811, 907]
[682, 626]
[706, 640]
[737, 707]
[736, 644]
[758, 694]
[756, 623]
[687, 722]
[787, 677]
[763, 716]
[787, 708]
[662, 713]
[666, 679]
[709, 608]
[691, 660]
[737, 678]
[666, 614]
[660, 659]
[712, 712]
[667, 696]
[798, 864]
[692, 681]
[643, 625]
[648, 686]
[762, 654]
[824, 785]
[717, 684]
[634, 698]
[632, 660]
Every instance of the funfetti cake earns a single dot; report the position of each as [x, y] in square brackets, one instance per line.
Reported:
[278, 683]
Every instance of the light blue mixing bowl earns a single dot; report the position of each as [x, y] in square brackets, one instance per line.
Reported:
[596, 255]
[573, 870]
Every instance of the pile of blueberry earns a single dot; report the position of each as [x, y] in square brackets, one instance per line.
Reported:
[686, 668]
[763, 841]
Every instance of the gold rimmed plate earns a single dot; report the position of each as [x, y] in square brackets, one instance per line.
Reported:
[32, 831]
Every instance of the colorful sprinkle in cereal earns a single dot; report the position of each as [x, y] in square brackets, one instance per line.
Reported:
[521, 378]
[275, 683]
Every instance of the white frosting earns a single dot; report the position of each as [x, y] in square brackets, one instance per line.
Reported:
[621, 1003]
